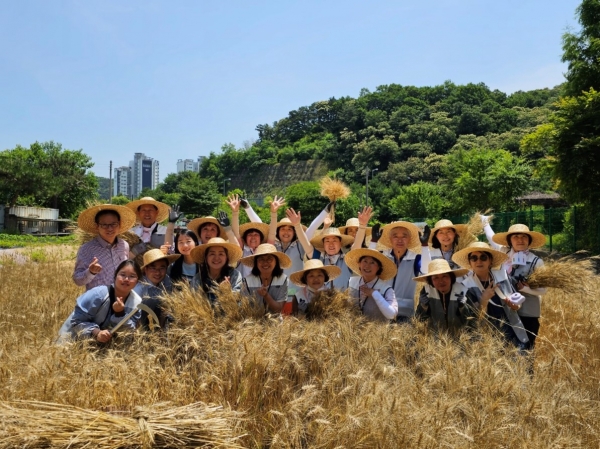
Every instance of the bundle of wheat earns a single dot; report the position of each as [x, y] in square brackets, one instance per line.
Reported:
[473, 230]
[327, 304]
[41, 424]
[334, 190]
[569, 274]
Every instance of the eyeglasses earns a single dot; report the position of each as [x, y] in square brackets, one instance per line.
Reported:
[109, 225]
[483, 258]
[131, 277]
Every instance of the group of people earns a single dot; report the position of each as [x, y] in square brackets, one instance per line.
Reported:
[284, 265]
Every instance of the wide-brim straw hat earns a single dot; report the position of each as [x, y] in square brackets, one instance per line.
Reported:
[317, 241]
[414, 243]
[195, 224]
[153, 255]
[234, 252]
[353, 223]
[537, 238]
[267, 248]
[262, 227]
[287, 222]
[459, 228]
[462, 257]
[315, 264]
[163, 209]
[440, 266]
[87, 219]
[352, 259]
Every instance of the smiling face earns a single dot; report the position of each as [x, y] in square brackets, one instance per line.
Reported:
[369, 268]
[265, 264]
[446, 236]
[332, 244]
[286, 234]
[147, 214]
[400, 238]
[108, 226]
[351, 231]
[216, 258]
[185, 244]
[125, 280]
[253, 238]
[519, 242]
[315, 279]
[208, 231]
[480, 263]
[442, 282]
[156, 271]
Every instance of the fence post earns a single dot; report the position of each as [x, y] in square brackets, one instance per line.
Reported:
[550, 226]
[531, 218]
[574, 219]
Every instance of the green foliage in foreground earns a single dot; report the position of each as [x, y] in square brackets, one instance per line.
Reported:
[12, 240]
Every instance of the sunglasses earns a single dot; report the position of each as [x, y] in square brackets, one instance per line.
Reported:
[483, 258]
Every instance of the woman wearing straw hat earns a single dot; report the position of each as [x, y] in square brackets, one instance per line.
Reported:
[351, 228]
[216, 260]
[442, 301]
[517, 243]
[101, 308]
[154, 284]
[489, 288]
[443, 239]
[184, 268]
[372, 290]
[98, 259]
[150, 213]
[311, 279]
[206, 228]
[266, 281]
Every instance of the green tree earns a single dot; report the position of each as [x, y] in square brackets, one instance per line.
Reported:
[419, 200]
[199, 197]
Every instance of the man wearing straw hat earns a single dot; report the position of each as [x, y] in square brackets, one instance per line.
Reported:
[150, 213]
[98, 259]
[442, 301]
[155, 283]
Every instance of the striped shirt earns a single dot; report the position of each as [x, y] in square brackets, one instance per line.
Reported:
[109, 257]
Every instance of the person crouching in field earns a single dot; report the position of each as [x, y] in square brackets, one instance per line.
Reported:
[266, 281]
[101, 308]
[489, 288]
[154, 284]
[311, 280]
[216, 260]
[442, 301]
[372, 290]
[98, 259]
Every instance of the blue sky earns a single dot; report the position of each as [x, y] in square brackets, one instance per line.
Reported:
[178, 79]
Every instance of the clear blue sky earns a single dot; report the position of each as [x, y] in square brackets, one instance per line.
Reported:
[178, 79]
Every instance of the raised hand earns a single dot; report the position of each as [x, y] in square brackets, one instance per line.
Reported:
[365, 215]
[95, 267]
[327, 222]
[330, 206]
[376, 233]
[424, 236]
[118, 306]
[293, 216]
[277, 203]
[244, 202]
[223, 219]
[174, 213]
[234, 202]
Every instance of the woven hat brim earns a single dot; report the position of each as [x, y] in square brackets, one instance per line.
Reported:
[462, 257]
[461, 229]
[414, 244]
[163, 209]
[195, 224]
[342, 229]
[537, 238]
[317, 241]
[87, 219]
[331, 270]
[234, 252]
[262, 227]
[170, 259]
[459, 272]
[352, 260]
[280, 224]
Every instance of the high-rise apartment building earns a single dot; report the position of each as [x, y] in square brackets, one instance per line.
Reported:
[190, 164]
[144, 173]
[121, 181]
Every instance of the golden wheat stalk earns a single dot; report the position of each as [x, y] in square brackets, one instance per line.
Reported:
[473, 230]
[567, 274]
[334, 190]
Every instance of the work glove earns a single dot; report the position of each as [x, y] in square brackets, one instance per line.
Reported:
[174, 213]
[424, 236]
[376, 233]
[223, 219]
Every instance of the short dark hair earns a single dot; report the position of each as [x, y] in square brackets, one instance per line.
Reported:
[509, 236]
[210, 223]
[435, 243]
[146, 204]
[248, 231]
[277, 271]
[293, 238]
[452, 279]
[104, 212]
[379, 264]
[130, 263]
[305, 275]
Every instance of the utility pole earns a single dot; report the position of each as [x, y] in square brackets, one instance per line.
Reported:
[110, 184]
[367, 185]
[224, 182]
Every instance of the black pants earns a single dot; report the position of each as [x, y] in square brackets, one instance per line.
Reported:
[532, 326]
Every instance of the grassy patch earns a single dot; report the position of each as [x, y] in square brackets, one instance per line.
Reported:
[17, 241]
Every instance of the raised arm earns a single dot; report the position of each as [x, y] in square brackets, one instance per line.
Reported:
[363, 220]
[489, 232]
[302, 238]
[253, 216]
[234, 203]
[318, 221]
[275, 205]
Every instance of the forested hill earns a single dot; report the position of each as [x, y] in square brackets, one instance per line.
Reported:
[418, 136]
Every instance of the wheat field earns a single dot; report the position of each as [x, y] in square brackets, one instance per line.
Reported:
[239, 379]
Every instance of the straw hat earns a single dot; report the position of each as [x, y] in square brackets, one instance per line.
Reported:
[352, 259]
[353, 223]
[195, 224]
[156, 254]
[163, 209]
[317, 241]
[287, 222]
[315, 264]
[267, 248]
[537, 238]
[459, 228]
[262, 227]
[440, 266]
[386, 241]
[87, 219]
[462, 257]
[234, 252]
